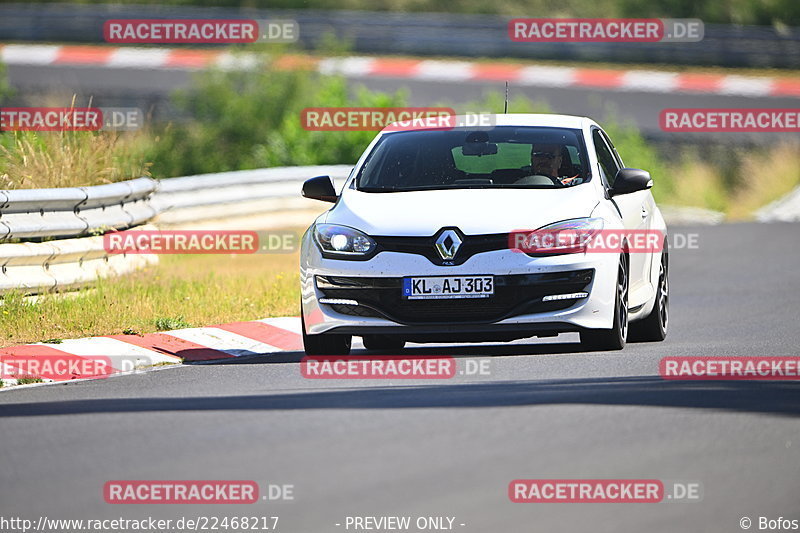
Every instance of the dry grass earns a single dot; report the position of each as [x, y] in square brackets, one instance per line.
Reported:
[696, 184]
[765, 177]
[200, 290]
[31, 160]
[761, 177]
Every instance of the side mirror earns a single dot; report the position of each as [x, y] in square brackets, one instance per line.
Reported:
[630, 180]
[319, 188]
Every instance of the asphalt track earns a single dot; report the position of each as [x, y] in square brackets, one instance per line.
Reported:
[149, 89]
[450, 448]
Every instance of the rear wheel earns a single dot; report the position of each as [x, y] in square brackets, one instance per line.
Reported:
[614, 338]
[324, 343]
[383, 343]
[653, 328]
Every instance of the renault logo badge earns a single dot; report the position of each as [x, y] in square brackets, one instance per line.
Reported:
[447, 244]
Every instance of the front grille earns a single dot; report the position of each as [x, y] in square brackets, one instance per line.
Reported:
[515, 295]
[426, 246]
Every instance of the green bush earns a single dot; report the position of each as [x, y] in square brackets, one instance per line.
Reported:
[5, 89]
[246, 119]
[6, 139]
[27, 380]
[170, 323]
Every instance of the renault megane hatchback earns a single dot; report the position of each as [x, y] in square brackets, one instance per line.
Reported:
[485, 234]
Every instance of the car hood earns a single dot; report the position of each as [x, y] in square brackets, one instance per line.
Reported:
[473, 211]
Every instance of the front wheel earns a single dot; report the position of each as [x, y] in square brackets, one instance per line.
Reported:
[324, 343]
[614, 338]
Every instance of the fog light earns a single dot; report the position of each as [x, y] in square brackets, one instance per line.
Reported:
[337, 301]
[570, 296]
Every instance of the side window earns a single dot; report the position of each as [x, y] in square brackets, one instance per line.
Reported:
[608, 163]
[617, 157]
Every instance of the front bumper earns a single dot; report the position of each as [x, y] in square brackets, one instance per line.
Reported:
[514, 295]
[515, 311]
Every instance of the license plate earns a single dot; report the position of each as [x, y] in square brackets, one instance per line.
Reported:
[442, 287]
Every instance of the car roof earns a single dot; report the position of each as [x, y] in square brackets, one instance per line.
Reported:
[518, 119]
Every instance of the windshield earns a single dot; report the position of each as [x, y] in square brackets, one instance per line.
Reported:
[501, 157]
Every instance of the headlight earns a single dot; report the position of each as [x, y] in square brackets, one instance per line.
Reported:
[342, 241]
[566, 237]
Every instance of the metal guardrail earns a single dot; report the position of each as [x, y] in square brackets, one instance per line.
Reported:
[237, 194]
[74, 212]
[418, 34]
[38, 267]
[69, 216]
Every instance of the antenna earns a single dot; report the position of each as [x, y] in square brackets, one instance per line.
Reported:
[505, 108]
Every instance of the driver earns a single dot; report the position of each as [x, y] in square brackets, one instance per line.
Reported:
[546, 160]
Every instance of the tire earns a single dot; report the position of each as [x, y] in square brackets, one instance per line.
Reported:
[614, 338]
[325, 343]
[383, 343]
[653, 328]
